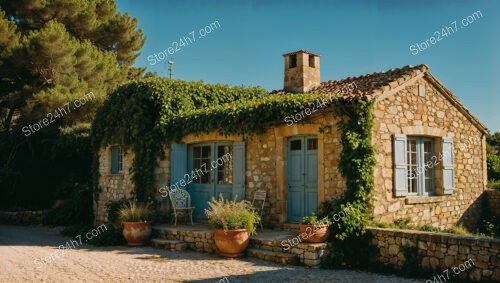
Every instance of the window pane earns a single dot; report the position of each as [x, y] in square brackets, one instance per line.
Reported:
[412, 166]
[420, 166]
[312, 144]
[429, 167]
[413, 185]
[197, 151]
[427, 146]
[224, 164]
[201, 165]
[205, 151]
[412, 145]
[296, 145]
[205, 171]
[116, 159]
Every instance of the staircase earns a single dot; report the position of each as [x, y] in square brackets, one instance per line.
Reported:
[276, 246]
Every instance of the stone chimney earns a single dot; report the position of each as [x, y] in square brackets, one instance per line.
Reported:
[301, 71]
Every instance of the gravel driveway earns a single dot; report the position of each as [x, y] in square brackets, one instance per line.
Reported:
[23, 248]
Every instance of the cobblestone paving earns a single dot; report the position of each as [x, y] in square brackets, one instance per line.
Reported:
[20, 247]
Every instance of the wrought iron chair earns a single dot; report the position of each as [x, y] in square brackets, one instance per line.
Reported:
[259, 195]
[181, 204]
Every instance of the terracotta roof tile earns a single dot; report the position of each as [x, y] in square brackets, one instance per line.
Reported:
[368, 86]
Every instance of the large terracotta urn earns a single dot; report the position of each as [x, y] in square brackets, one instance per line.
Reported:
[136, 233]
[231, 243]
[314, 233]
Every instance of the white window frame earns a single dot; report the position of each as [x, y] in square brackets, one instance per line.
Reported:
[421, 166]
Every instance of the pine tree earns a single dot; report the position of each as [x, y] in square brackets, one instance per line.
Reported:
[53, 52]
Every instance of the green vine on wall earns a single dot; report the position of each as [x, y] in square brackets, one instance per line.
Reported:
[146, 116]
[357, 160]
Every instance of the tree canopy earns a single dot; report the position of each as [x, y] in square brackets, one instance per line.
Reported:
[53, 52]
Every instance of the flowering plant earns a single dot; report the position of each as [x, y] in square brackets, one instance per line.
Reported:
[232, 215]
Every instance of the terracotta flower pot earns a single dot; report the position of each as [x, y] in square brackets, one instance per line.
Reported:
[136, 233]
[231, 243]
[314, 233]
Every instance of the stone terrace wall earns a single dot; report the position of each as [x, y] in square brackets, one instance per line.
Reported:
[432, 115]
[493, 202]
[22, 217]
[440, 251]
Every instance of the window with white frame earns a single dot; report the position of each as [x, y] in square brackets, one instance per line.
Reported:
[116, 165]
[420, 166]
[415, 162]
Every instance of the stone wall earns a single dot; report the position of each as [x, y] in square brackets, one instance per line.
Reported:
[493, 202]
[265, 163]
[407, 110]
[439, 251]
[114, 187]
[428, 113]
[22, 217]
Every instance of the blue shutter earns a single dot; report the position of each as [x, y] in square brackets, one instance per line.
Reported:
[239, 170]
[115, 159]
[178, 164]
[400, 165]
[448, 171]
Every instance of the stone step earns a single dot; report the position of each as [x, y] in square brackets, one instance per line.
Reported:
[291, 227]
[172, 245]
[277, 257]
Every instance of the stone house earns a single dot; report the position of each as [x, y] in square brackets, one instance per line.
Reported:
[430, 153]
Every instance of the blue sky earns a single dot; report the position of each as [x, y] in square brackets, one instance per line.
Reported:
[352, 37]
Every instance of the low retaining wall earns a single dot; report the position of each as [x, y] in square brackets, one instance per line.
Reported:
[276, 246]
[200, 241]
[493, 202]
[308, 254]
[22, 217]
[439, 252]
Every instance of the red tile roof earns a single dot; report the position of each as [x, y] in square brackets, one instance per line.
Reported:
[370, 86]
[365, 86]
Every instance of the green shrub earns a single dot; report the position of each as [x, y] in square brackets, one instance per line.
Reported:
[495, 185]
[429, 228]
[403, 223]
[490, 227]
[231, 215]
[354, 223]
[493, 166]
[352, 252]
[76, 210]
[113, 207]
[313, 220]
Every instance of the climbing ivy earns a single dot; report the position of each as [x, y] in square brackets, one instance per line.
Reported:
[146, 116]
[357, 159]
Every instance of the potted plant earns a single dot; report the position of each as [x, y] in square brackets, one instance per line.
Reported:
[314, 230]
[136, 220]
[234, 222]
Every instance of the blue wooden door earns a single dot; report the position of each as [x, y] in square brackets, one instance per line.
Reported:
[302, 177]
[210, 166]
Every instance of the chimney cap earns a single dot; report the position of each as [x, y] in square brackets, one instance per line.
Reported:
[301, 51]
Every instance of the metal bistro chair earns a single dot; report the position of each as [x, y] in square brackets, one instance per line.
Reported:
[181, 204]
[259, 195]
